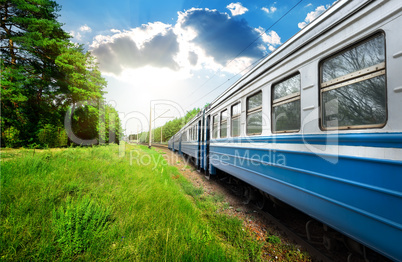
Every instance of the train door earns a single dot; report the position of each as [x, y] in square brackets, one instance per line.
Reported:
[202, 141]
[199, 144]
[207, 138]
[180, 139]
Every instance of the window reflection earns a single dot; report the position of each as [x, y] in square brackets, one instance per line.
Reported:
[215, 126]
[254, 101]
[362, 103]
[286, 105]
[360, 100]
[254, 114]
[235, 124]
[367, 54]
[287, 87]
[224, 124]
[287, 116]
[254, 123]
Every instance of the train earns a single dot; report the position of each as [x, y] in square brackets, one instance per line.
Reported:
[317, 124]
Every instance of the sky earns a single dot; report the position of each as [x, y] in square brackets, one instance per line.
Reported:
[173, 56]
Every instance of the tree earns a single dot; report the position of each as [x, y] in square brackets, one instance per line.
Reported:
[174, 126]
[43, 74]
[30, 42]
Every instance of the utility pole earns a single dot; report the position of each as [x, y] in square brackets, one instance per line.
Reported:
[150, 122]
[138, 133]
[150, 125]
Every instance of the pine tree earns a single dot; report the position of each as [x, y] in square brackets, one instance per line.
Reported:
[42, 73]
[31, 39]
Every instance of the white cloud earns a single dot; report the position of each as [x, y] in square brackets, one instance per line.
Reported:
[76, 35]
[80, 33]
[312, 15]
[153, 45]
[301, 25]
[237, 8]
[271, 48]
[272, 9]
[85, 28]
[200, 39]
[140, 35]
[218, 36]
[271, 38]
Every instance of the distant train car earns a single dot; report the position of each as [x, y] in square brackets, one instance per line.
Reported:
[176, 142]
[318, 124]
[170, 143]
[191, 139]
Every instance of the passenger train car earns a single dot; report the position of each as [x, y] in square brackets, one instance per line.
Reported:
[317, 124]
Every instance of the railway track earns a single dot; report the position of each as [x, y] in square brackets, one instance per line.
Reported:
[153, 145]
[160, 145]
[297, 226]
[303, 230]
[314, 252]
[315, 249]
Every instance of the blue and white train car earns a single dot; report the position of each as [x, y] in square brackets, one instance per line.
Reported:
[318, 123]
[191, 137]
[176, 142]
[170, 143]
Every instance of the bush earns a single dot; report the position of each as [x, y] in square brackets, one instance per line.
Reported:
[11, 136]
[52, 136]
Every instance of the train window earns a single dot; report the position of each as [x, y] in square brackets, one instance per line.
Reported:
[254, 114]
[215, 126]
[224, 124]
[353, 86]
[286, 105]
[235, 124]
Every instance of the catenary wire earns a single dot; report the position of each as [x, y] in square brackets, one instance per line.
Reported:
[260, 35]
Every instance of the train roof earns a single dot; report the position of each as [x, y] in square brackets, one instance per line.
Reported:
[337, 13]
[333, 16]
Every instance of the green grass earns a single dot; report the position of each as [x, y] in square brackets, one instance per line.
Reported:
[85, 204]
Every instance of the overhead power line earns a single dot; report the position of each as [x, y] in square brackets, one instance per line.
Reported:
[260, 35]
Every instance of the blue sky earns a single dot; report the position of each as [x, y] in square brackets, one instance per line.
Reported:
[180, 53]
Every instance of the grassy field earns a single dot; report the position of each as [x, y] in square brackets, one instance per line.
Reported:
[90, 204]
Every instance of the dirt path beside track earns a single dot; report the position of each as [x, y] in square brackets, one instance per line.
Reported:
[251, 216]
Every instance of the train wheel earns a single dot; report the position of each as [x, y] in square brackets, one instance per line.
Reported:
[250, 194]
[260, 202]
